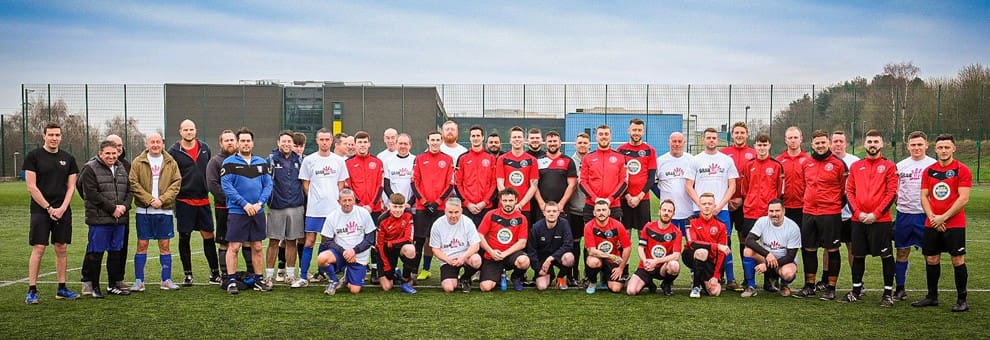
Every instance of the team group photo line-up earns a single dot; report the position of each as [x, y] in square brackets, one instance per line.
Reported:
[529, 216]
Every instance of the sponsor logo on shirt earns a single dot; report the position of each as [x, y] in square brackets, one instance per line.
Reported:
[633, 166]
[326, 171]
[941, 191]
[658, 251]
[712, 169]
[504, 235]
[516, 178]
[349, 228]
[454, 243]
[605, 246]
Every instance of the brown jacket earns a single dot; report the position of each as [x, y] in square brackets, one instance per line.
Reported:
[168, 183]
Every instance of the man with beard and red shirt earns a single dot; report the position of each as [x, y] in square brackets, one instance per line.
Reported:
[558, 176]
[518, 170]
[871, 190]
[475, 177]
[366, 182]
[641, 163]
[741, 154]
[608, 248]
[504, 233]
[659, 251]
[825, 181]
[432, 174]
[707, 245]
[603, 175]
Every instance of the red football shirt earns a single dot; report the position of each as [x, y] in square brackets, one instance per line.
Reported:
[517, 171]
[659, 242]
[502, 231]
[943, 183]
[640, 160]
[611, 238]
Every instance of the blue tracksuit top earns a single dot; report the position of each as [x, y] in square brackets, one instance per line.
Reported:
[287, 191]
[245, 183]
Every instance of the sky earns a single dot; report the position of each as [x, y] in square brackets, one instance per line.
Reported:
[459, 42]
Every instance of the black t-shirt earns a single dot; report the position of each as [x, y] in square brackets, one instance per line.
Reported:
[553, 176]
[52, 172]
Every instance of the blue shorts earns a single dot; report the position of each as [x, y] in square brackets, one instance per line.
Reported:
[154, 226]
[722, 216]
[354, 273]
[244, 228]
[681, 224]
[105, 238]
[909, 230]
[314, 224]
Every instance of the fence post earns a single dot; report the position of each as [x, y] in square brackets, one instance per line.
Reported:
[690, 136]
[565, 101]
[524, 101]
[852, 125]
[49, 102]
[938, 110]
[86, 101]
[979, 141]
[363, 108]
[3, 146]
[812, 107]
[125, 115]
[606, 104]
[728, 123]
[482, 100]
[770, 123]
[24, 118]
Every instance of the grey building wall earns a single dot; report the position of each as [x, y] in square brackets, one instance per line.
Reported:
[413, 110]
[217, 107]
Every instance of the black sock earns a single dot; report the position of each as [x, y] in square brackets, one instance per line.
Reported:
[468, 273]
[858, 269]
[810, 258]
[888, 273]
[419, 243]
[222, 254]
[281, 256]
[962, 276]
[932, 273]
[246, 254]
[61, 285]
[185, 252]
[32, 289]
[834, 264]
[668, 280]
[592, 274]
[409, 265]
[210, 250]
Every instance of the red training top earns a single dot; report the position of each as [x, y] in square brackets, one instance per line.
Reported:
[393, 231]
[603, 175]
[640, 161]
[475, 177]
[502, 231]
[740, 156]
[825, 183]
[517, 171]
[794, 178]
[762, 181]
[872, 188]
[366, 173]
[708, 234]
[431, 178]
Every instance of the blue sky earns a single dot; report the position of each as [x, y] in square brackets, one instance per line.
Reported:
[780, 42]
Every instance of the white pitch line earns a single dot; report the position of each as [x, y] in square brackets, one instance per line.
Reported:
[27, 279]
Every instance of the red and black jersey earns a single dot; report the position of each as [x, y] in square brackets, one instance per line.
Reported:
[825, 183]
[794, 178]
[432, 173]
[502, 231]
[641, 163]
[393, 231]
[762, 180]
[708, 234]
[659, 242]
[612, 238]
[603, 175]
[554, 173]
[740, 156]
[366, 178]
[517, 172]
[475, 176]
[943, 183]
[872, 188]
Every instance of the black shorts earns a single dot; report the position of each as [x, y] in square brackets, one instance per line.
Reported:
[821, 231]
[491, 270]
[872, 239]
[845, 233]
[221, 234]
[577, 230]
[189, 218]
[648, 276]
[448, 272]
[476, 218]
[737, 219]
[550, 271]
[796, 215]
[45, 231]
[392, 254]
[635, 218]
[744, 229]
[952, 241]
[423, 222]
[605, 271]
[589, 213]
[704, 267]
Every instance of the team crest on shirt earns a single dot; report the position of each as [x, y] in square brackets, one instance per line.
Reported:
[641, 153]
[516, 178]
[560, 162]
[748, 156]
[504, 236]
[612, 159]
[326, 171]
[769, 171]
[950, 174]
[829, 167]
[442, 164]
[668, 237]
[372, 165]
[524, 163]
[713, 230]
[634, 166]
[486, 163]
[658, 251]
[941, 191]
[62, 163]
[605, 247]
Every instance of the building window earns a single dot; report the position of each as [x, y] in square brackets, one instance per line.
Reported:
[338, 110]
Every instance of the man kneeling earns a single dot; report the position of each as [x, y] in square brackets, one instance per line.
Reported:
[771, 248]
[455, 242]
[395, 242]
[707, 247]
[349, 233]
[659, 249]
[549, 244]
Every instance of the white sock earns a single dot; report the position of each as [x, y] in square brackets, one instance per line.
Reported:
[290, 272]
[269, 272]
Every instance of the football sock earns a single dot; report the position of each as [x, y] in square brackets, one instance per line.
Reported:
[900, 273]
[749, 271]
[858, 269]
[185, 252]
[962, 275]
[61, 285]
[834, 264]
[887, 264]
[281, 257]
[427, 261]
[210, 250]
[166, 262]
[307, 257]
[139, 261]
[727, 267]
[269, 272]
[223, 260]
[933, 272]
[592, 274]
[810, 258]
[246, 254]
[33, 288]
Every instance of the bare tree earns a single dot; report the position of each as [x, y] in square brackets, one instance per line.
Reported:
[902, 73]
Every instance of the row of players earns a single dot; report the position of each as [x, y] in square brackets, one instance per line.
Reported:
[603, 175]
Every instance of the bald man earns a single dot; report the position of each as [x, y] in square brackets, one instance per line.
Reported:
[391, 136]
[192, 206]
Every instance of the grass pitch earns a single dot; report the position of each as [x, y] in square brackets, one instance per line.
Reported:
[205, 311]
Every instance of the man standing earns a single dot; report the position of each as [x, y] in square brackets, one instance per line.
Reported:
[154, 181]
[838, 143]
[558, 176]
[192, 206]
[673, 171]
[323, 174]
[762, 181]
[518, 170]
[228, 146]
[871, 190]
[390, 136]
[575, 207]
[716, 173]
[741, 154]
[659, 251]
[909, 227]
[108, 198]
[455, 242]
[608, 248]
[475, 177]
[603, 176]
[771, 249]
[503, 234]
[122, 159]
[549, 245]
[247, 181]
[50, 175]
[349, 234]
[494, 144]
[707, 245]
[534, 141]
[641, 162]
[825, 180]
[450, 146]
[367, 174]
[399, 169]
[945, 191]
[793, 159]
[432, 173]
[286, 217]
